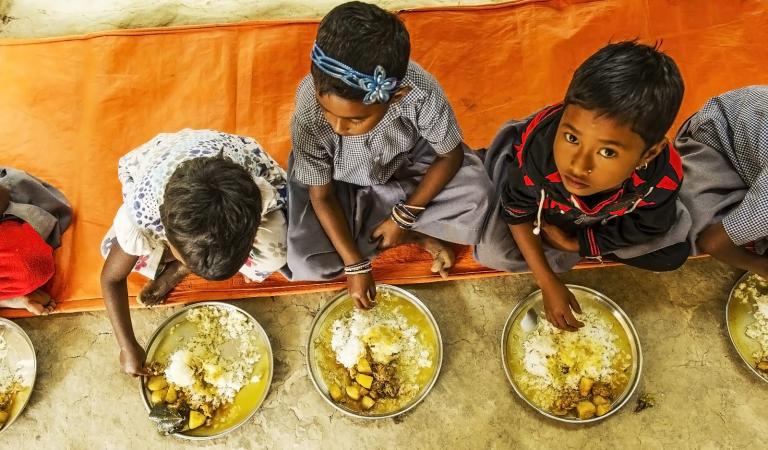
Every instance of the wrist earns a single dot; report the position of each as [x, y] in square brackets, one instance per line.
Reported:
[405, 215]
[131, 346]
[360, 268]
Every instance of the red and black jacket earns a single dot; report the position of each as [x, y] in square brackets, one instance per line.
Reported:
[642, 209]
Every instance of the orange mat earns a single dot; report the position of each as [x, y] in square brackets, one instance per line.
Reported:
[70, 107]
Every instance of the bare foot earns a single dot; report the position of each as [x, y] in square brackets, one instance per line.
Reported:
[38, 303]
[443, 256]
[156, 291]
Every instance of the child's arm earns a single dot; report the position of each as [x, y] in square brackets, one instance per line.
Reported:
[5, 199]
[439, 174]
[715, 241]
[558, 300]
[326, 205]
[114, 274]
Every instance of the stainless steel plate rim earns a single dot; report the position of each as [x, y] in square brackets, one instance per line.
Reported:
[422, 307]
[731, 332]
[10, 324]
[260, 329]
[623, 318]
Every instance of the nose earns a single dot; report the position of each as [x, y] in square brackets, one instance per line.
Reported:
[581, 163]
[340, 127]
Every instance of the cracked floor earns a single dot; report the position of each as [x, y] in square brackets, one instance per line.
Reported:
[705, 397]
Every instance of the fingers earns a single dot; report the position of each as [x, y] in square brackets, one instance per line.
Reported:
[358, 302]
[571, 321]
[372, 294]
[140, 372]
[378, 232]
[575, 304]
[564, 320]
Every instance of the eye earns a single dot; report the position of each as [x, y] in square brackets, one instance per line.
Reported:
[571, 138]
[607, 153]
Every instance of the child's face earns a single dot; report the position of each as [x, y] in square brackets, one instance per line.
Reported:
[350, 117]
[594, 153]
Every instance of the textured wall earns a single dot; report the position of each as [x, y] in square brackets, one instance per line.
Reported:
[46, 18]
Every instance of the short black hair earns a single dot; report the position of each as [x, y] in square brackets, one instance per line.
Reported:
[362, 36]
[211, 210]
[632, 83]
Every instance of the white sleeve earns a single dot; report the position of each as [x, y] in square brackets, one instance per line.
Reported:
[270, 250]
[130, 237]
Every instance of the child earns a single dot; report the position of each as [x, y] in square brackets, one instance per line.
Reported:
[591, 177]
[725, 159]
[378, 158]
[203, 202]
[33, 215]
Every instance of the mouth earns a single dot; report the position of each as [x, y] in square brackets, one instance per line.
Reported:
[575, 182]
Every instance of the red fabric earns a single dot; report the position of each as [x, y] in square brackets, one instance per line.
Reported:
[26, 261]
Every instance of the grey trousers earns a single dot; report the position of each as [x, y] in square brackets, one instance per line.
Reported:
[455, 215]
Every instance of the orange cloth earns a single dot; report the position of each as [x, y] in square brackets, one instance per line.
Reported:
[70, 107]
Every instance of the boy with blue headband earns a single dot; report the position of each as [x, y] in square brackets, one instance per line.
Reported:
[378, 158]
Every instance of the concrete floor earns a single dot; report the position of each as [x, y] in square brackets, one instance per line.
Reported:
[706, 399]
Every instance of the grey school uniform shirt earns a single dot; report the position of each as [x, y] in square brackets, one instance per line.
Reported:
[320, 155]
[729, 133]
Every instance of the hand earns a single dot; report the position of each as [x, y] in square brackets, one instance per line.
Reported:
[558, 238]
[362, 288]
[132, 360]
[389, 234]
[558, 301]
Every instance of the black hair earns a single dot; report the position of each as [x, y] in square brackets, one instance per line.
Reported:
[632, 83]
[211, 210]
[362, 36]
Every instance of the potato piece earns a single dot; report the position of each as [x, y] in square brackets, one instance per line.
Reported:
[353, 391]
[171, 396]
[367, 402]
[602, 389]
[585, 385]
[763, 366]
[4, 416]
[585, 409]
[363, 366]
[364, 391]
[603, 409]
[365, 380]
[196, 419]
[156, 383]
[335, 392]
[158, 396]
[600, 400]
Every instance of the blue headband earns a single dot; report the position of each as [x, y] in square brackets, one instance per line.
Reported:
[378, 87]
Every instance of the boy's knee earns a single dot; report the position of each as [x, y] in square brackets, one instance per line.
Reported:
[675, 256]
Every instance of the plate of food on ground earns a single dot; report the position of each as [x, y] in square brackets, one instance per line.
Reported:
[746, 315]
[375, 363]
[18, 368]
[576, 377]
[211, 366]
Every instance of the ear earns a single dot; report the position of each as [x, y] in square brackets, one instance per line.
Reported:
[400, 93]
[653, 151]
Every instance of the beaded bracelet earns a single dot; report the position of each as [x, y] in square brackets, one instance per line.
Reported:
[362, 267]
[404, 216]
